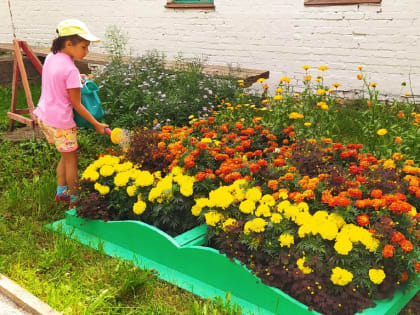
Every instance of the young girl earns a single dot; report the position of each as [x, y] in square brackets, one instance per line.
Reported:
[60, 94]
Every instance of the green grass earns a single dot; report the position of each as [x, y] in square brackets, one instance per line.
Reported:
[70, 277]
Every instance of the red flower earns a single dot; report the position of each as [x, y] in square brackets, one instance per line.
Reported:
[403, 277]
[200, 176]
[253, 167]
[388, 251]
[406, 246]
[417, 267]
[363, 220]
[376, 193]
[397, 237]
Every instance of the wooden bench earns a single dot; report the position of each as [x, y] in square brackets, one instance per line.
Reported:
[248, 75]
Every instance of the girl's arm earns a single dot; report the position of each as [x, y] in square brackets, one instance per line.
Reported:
[75, 98]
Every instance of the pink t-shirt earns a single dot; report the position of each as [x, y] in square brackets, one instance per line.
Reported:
[59, 74]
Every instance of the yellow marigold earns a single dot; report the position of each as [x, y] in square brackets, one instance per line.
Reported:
[121, 179]
[221, 197]
[229, 222]
[301, 265]
[343, 246]
[324, 107]
[139, 207]
[144, 179]
[341, 276]
[376, 275]
[186, 189]
[263, 210]
[321, 91]
[247, 206]
[123, 166]
[253, 194]
[382, 132]
[277, 97]
[106, 170]
[268, 200]
[283, 205]
[90, 175]
[295, 115]
[389, 164]
[307, 124]
[200, 203]
[276, 218]
[131, 190]
[256, 225]
[102, 189]
[322, 68]
[398, 156]
[286, 240]
[213, 217]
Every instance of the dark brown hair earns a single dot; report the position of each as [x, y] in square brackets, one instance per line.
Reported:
[60, 42]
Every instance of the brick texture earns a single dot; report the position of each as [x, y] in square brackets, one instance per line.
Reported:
[275, 35]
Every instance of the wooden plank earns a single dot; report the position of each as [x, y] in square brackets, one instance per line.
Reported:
[339, 2]
[15, 82]
[32, 57]
[248, 75]
[22, 119]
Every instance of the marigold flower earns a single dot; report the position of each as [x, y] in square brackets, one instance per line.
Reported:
[397, 237]
[397, 140]
[363, 220]
[388, 251]
[286, 240]
[406, 246]
[376, 275]
[301, 265]
[341, 276]
[382, 132]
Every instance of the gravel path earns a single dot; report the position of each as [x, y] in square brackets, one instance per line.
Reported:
[8, 307]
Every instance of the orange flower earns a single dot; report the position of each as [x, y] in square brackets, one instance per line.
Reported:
[388, 251]
[403, 277]
[272, 184]
[417, 267]
[397, 237]
[400, 114]
[363, 220]
[288, 176]
[369, 103]
[359, 77]
[397, 140]
[200, 176]
[376, 193]
[406, 246]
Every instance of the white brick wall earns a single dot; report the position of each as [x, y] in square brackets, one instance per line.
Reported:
[275, 35]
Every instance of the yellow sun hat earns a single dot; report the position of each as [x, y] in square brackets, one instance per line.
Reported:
[75, 27]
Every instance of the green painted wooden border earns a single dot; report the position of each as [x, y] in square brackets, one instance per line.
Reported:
[200, 270]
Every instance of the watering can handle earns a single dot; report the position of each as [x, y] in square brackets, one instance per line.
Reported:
[108, 131]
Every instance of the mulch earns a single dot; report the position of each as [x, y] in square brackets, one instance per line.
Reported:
[22, 134]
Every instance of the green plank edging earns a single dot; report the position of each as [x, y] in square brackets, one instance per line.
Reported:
[200, 270]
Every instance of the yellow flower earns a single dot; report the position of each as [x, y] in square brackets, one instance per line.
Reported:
[102, 189]
[253, 194]
[131, 190]
[373, 84]
[144, 179]
[260, 80]
[295, 115]
[256, 225]
[376, 275]
[341, 276]
[286, 240]
[229, 222]
[213, 217]
[277, 97]
[247, 206]
[200, 203]
[343, 246]
[300, 263]
[276, 217]
[321, 92]
[306, 67]
[308, 77]
[322, 68]
[336, 85]
[285, 79]
[263, 210]
[106, 170]
[279, 90]
[382, 132]
[307, 124]
[389, 164]
[139, 207]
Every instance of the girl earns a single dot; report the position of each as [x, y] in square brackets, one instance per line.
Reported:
[60, 94]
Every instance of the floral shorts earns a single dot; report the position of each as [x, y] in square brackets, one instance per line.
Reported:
[65, 140]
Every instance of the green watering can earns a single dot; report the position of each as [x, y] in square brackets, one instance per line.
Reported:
[91, 101]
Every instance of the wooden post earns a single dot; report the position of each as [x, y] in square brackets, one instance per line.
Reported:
[19, 71]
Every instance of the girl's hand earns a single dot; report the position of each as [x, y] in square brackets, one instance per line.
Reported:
[100, 128]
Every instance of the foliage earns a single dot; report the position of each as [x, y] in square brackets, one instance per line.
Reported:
[147, 91]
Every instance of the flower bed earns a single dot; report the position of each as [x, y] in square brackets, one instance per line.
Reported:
[202, 270]
[326, 224]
